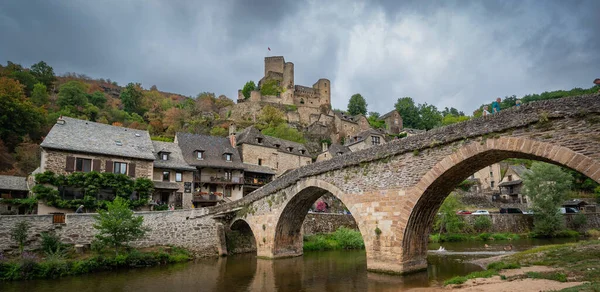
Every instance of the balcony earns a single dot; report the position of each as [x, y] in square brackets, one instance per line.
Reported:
[256, 181]
[216, 179]
[202, 197]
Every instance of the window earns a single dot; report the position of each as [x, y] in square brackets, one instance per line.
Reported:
[164, 156]
[228, 175]
[290, 149]
[166, 176]
[375, 140]
[510, 177]
[277, 145]
[120, 167]
[199, 155]
[492, 184]
[83, 165]
[228, 156]
[339, 153]
[178, 176]
[302, 151]
[259, 140]
[259, 161]
[395, 121]
[491, 174]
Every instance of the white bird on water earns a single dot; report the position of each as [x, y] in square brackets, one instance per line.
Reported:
[441, 248]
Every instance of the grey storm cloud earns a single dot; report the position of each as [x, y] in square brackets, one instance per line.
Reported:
[446, 53]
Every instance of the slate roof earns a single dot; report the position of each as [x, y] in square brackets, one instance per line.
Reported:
[520, 170]
[13, 183]
[249, 135]
[336, 148]
[365, 135]
[175, 157]
[258, 168]
[346, 117]
[90, 137]
[510, 183]
[214, 149]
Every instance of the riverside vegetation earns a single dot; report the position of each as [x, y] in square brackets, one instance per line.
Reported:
[343, 238]
[573, 262]
[116, 226]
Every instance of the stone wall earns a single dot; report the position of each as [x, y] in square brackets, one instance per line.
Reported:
[315, 223]
[55, 161]
[201, 235]
[271, 157]
[521, 223]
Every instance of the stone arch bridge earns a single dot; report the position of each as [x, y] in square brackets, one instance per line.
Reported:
[394, 190]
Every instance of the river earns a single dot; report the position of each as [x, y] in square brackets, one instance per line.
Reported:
[315, 271]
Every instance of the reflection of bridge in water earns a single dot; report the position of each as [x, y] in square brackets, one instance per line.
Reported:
[394, 190]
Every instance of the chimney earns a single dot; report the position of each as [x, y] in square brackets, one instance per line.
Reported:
[60, 120]
[324, 146]
[232, 135]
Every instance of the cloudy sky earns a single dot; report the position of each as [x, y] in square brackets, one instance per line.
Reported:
[446, 53]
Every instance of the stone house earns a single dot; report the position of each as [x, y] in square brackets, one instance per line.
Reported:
[511, 184]
[12, 187]
[74, 145]
[331, 151]
[277, 154]
[364, 140]
[393, 122]
[489, 178]
[172, 176]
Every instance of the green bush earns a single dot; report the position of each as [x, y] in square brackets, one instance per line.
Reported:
[51, 243]
[579, 220]
[343, 238]
[503, 266]
[482, 223]
[560, 277]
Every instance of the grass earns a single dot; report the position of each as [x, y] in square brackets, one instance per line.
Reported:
[554, 276]
[479, 274]
[343, 238]
[587, 287]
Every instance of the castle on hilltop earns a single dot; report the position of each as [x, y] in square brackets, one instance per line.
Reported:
[279, 77]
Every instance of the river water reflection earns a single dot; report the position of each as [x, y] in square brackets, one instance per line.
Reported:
[315, 271]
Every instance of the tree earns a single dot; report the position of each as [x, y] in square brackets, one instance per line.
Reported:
[19, 234]
[218, 131]
[131, 97]
[43, 73]
[374, 121]
[408, 111]
[357, 105]
[248, 87]
[448, 220]
[39, 96]
[284, 131]
[97, 98]
[430, 117]
[26, 79]
[117, 225]
[271, 87]
[18, 116]
[270, 116]
[72, 93]
[546, 186]
[452, 119]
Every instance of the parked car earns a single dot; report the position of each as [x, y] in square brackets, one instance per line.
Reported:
[568, 210]
[463, 212]
[510, 211]
[481, 212]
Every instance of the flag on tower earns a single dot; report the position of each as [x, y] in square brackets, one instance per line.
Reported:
[269, 48]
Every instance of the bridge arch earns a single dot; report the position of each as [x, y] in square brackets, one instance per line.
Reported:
[240, 238]
[288, 239]
[436, 184]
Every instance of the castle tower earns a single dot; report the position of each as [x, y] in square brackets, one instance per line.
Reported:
[324, 88]
[274, 64]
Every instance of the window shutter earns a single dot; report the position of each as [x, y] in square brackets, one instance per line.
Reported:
[96, 165]
[70, 167]
[109, 166]
[132, 169]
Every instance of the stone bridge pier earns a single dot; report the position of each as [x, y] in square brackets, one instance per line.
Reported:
[394, 190]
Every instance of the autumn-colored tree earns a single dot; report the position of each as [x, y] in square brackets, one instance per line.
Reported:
[6, 159]
[271, 116]
[26, 79]
[27, 156]
[18, 116]
[205, 102]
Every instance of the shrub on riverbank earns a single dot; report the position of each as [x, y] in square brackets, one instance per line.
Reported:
[32, 267]
[343, 238]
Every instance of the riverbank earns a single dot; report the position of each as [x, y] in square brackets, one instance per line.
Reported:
[486, 236]
[342, 238]
[571, 266]
[38, 266]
